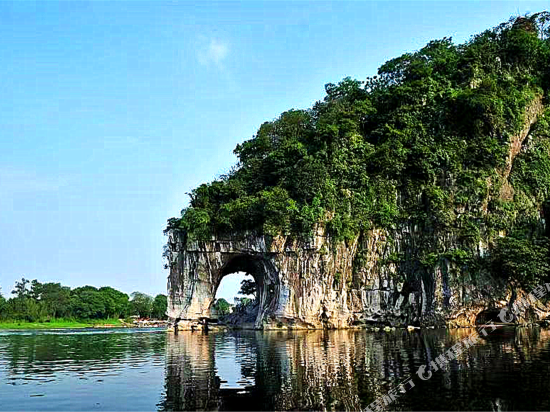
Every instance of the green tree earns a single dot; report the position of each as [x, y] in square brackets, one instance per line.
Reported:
[20, 289]
[54, 298]
[22, 306]
[2, 306]
[522, 263]
[35, 289]
[36, 301]
[242, 303]
[222, 306]
[88, 303]
[248, 287]
[116, 302]
[160, 305]
[141, 304]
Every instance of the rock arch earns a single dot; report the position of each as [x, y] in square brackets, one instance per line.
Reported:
[197, 269]
[298, 287]
[264, 272]
[319, 283]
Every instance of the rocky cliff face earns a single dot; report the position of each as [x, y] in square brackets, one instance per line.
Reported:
[321, 284]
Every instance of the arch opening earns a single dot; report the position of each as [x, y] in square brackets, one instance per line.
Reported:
[488, 315]
[234, 292]
[263, 287]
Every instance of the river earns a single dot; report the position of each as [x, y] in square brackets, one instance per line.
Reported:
[146, 369]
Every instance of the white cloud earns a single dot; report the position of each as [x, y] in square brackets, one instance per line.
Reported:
[212, 52]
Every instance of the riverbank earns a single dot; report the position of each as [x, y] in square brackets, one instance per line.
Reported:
[62, 324]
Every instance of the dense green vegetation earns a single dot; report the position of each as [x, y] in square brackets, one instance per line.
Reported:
[222, 306]
[248, 287]
[60, 324]
[426, 142]
[57, 304]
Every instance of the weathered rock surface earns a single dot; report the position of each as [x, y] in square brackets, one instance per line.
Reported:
[320, 284]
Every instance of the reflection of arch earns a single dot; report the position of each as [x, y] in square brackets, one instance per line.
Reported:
[191, 382]
[279, 371]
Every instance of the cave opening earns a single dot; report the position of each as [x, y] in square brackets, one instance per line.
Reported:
[256, 285]
[235, 293]
[487, 316]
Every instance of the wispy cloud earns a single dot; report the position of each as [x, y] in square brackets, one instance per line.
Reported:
[212, 51]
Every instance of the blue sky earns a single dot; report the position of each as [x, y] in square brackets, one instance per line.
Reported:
[112, 111]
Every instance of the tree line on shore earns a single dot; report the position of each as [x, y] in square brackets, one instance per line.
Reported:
[33, 301]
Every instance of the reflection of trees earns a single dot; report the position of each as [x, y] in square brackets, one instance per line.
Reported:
[191, 381]
[347, 370]
[503, 372]
[340, 370]
[50, 354]
[321, 371]
[246, 353]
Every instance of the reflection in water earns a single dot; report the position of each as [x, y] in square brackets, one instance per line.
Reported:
[339, 370]
[347, 370]
[334, 370]
[81, 370]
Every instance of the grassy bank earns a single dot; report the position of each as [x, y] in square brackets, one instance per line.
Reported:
[59, 323]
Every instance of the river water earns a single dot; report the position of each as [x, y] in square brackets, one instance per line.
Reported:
[143, 369]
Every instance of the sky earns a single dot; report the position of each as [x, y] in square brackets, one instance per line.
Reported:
[230, 287]
[110, 112]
